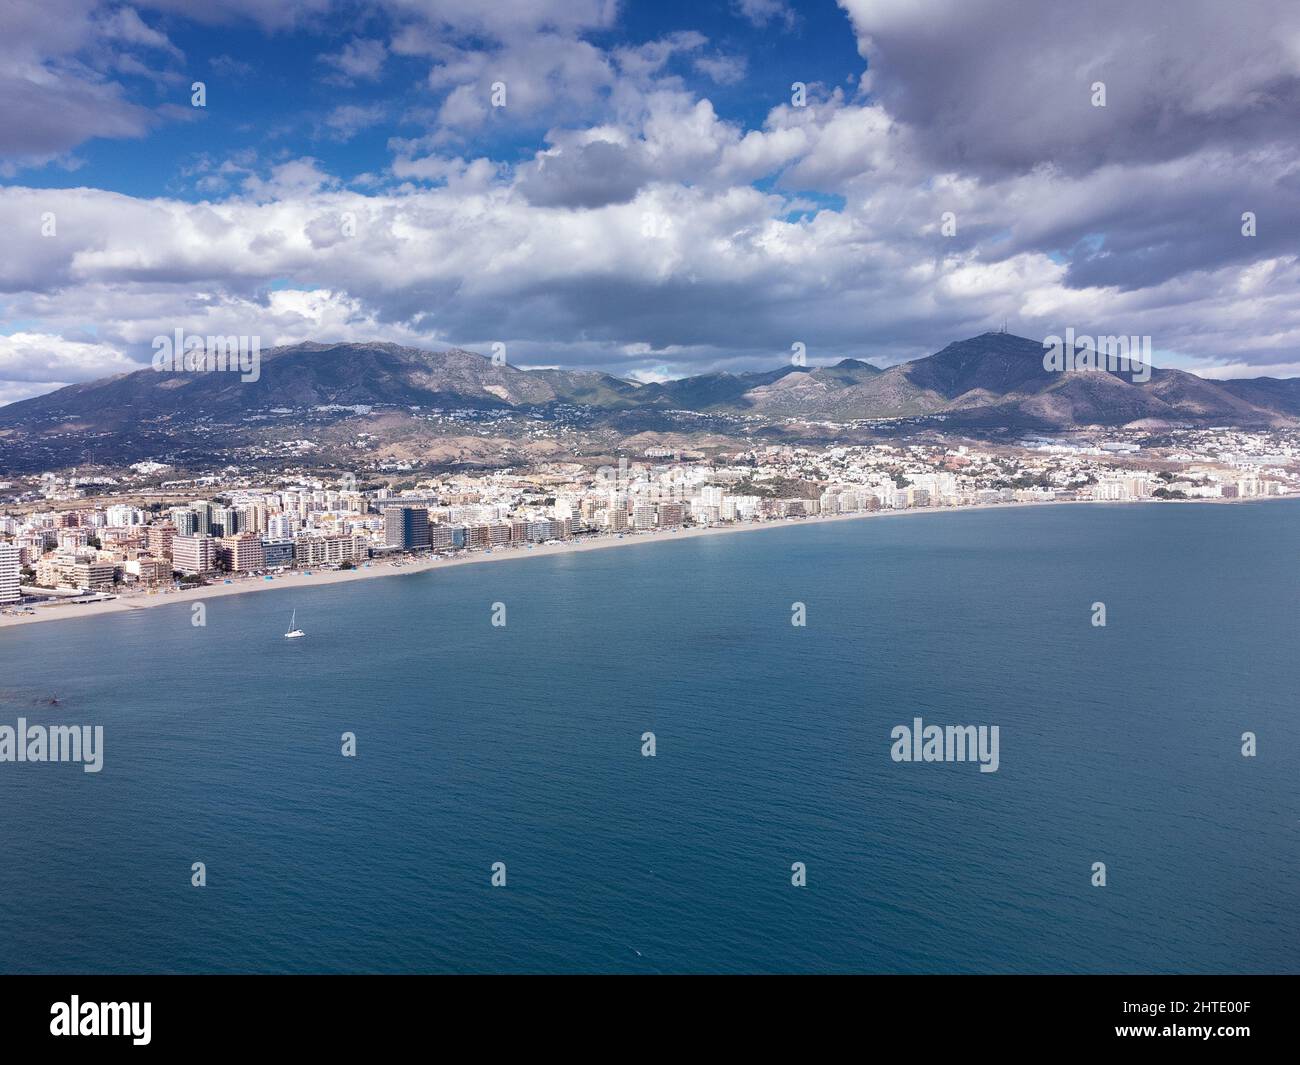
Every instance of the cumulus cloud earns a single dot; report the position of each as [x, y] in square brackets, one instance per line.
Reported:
[998, 86]
[53, 56]
[643, 229]
[585, 175]
[35, 363]
[676, 279]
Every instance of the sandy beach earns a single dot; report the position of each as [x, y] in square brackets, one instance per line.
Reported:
[297, 579]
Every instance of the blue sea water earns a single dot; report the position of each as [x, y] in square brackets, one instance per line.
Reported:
[522, 744]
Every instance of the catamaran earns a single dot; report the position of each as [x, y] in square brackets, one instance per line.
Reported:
[294, 632]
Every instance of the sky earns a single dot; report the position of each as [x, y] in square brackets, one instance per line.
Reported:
[649, 188]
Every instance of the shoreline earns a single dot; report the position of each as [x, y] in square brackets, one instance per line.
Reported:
[296, 579]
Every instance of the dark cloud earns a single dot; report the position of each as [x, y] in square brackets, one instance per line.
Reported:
[39, 121]
[998, 86]
[588, 175]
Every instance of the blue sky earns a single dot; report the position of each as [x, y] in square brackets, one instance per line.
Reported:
[273, 90]
[651, 200]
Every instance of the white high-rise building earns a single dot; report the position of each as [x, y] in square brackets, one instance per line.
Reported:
[10, 567]
[282, 526]
[120, 516]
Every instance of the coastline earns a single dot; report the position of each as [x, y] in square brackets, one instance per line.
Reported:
[297, 579]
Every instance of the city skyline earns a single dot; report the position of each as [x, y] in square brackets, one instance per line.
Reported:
[166, 535]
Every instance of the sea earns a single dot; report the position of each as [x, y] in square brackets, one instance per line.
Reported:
[501, 812]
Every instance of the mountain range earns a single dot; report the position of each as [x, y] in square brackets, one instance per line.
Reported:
[996, 380]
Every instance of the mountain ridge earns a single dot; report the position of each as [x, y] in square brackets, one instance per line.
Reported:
[988, 380]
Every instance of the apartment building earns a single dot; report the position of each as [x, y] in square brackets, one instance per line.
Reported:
[10, 573]
[194, 554]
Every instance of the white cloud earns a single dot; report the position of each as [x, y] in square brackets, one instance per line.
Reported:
[763, 12]
[634, 238]
[724, 69]
[35, 363]
[360, 59]
[347, 120]
[675, 280]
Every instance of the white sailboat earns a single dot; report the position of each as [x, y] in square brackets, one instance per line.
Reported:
[294, 632]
